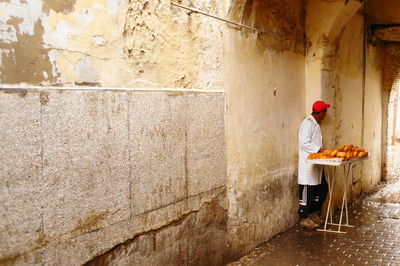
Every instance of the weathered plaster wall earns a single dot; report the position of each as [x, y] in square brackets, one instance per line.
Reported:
[170, 47]
[141, 44]
[265, 104]
[356, 115]
[373, 117]
[324, 22]
[336, 72]
[349, 93]
[349, 109]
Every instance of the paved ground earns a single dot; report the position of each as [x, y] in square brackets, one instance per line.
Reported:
[375, 240]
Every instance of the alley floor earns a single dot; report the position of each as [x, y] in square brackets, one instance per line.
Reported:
[375, 239]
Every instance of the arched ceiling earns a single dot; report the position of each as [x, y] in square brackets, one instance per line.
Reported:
[391, 65]
[326, 18]
[384, 20]
[384, 30]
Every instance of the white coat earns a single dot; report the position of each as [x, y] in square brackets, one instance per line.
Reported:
[310, 141]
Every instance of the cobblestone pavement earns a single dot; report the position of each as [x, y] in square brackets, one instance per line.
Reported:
[375, 239]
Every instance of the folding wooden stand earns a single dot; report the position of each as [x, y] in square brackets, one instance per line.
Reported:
[330, 166]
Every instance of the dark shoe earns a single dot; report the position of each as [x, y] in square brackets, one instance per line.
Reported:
[315, 218]
[308, 224]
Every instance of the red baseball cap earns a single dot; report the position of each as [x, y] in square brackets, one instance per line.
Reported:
[319, 106]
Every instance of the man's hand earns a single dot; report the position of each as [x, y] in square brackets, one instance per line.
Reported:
[321, 150]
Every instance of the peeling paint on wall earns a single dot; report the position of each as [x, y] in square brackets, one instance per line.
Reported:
[28, 13]
[145, 43]
[65, 34]
[26, 60]
[170, 47]
[64, 6]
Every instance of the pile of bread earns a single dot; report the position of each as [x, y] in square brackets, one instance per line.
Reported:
[346, 152]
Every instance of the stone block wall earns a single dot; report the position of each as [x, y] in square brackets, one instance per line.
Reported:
[86, 171]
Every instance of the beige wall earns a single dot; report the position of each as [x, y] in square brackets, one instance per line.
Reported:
[265, 101]
[324, 23]
[373, 118]
[349, 92]
[136, 44]
[264, 110]
[356, 115]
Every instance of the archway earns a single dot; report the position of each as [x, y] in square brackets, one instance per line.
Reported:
[392, 149]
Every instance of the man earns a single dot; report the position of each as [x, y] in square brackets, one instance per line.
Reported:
[312, 184]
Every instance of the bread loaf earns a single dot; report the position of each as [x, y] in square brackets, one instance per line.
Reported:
[345, 152]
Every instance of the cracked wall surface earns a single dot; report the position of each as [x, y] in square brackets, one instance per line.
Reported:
[171, 47]
[182, 242]
[146, 44]
[63, 42]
